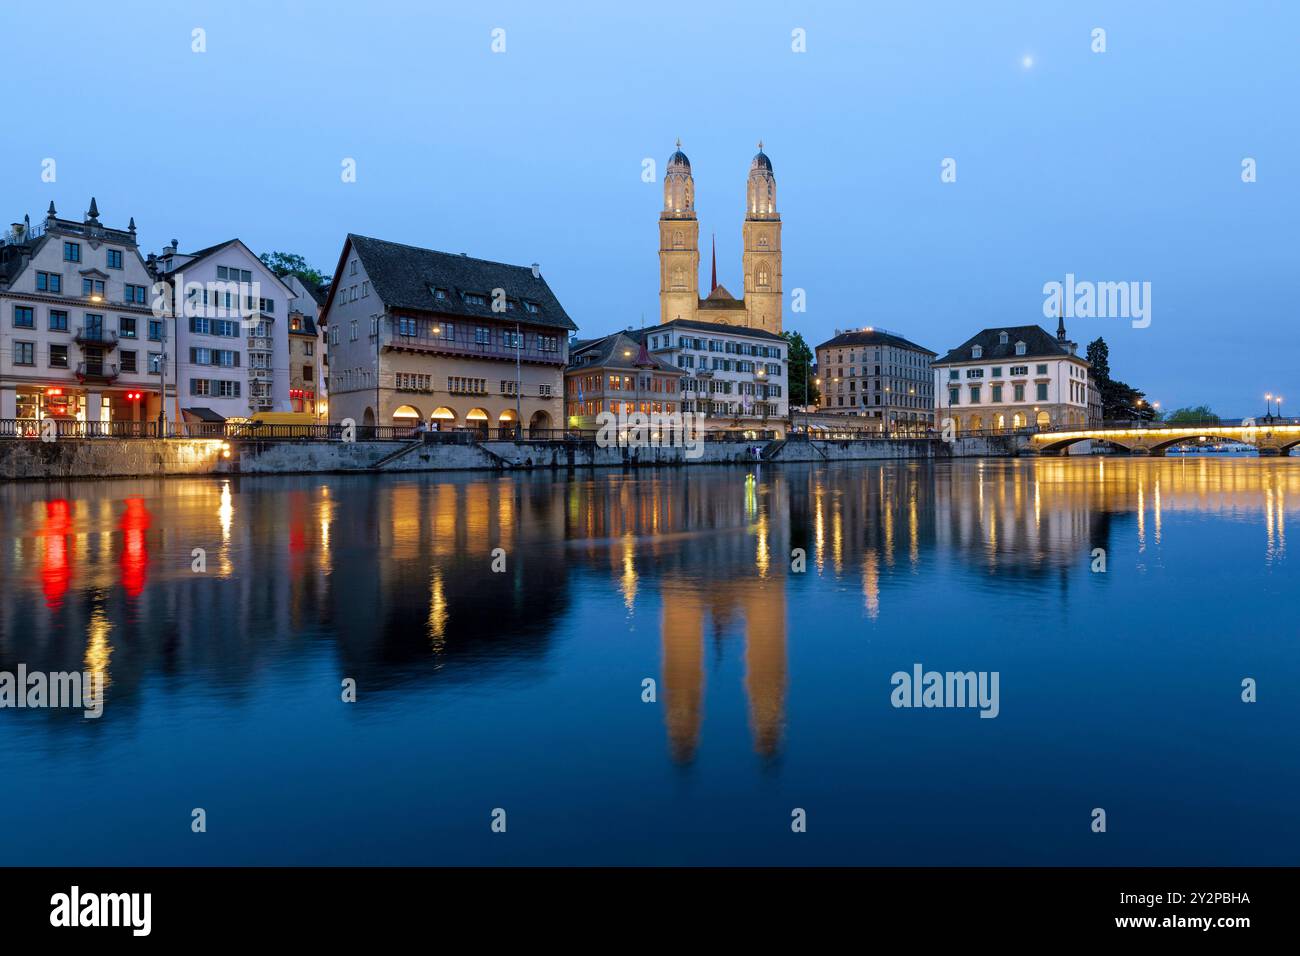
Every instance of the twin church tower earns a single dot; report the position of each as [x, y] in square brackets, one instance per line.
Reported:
[679, 252]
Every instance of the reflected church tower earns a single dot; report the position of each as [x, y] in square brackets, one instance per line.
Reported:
[763, 610]
[682, 630]
[765, 665]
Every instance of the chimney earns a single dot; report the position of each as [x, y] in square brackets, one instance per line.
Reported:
[171, 250]
[18, 231]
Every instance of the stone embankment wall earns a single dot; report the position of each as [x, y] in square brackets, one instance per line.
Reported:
[107, 458]
[22, 459]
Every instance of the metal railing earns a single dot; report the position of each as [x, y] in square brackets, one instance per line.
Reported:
[72, 428]
[101, 372]
[254, 431]
[93, 336]
[1262, 421]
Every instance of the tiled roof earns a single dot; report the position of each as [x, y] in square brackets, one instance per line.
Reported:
[405, 277]
[720, 298]
[873, 337]
[609, 352]
[1038, 344]
[711, 328]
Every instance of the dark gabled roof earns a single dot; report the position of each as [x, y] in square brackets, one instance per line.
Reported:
[608, 353]
[207, 251]
[404, 277]
[317, 293]
[720, 299]
[1038, 344]
[713, 328]
[872, 337]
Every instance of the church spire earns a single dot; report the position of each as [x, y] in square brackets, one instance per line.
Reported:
[714, 284]
[1060, 317]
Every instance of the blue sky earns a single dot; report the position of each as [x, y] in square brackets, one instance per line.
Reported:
[1118, 166]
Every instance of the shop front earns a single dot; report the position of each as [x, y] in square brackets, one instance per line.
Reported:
[71, 404]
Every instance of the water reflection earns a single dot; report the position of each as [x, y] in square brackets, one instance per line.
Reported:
[401, 581]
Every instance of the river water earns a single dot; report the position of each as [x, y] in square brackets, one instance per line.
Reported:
[224, 616]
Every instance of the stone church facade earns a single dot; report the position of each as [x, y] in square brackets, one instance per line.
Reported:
[759, 306]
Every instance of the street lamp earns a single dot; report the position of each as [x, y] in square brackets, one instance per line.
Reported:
[1268, 404]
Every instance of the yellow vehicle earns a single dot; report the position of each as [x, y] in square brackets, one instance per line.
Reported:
[276, 425]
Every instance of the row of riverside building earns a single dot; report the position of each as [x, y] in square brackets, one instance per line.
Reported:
[92, 330]
[997, 380]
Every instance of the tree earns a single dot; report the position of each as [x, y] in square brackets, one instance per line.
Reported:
[1099, 358]
[1119, 401]
[290, 263]
[1195, 414]
[800, 371]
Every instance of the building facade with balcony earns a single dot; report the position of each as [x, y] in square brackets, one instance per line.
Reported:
[617, 374]
[307, 391]
[231, 354]
[734, 376]
[878, 376]
[79, 339]
[414, 335]
[1013, 377]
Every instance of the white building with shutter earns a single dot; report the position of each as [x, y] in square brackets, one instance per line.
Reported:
[1010, 378]
[232, 332]
[735, 376]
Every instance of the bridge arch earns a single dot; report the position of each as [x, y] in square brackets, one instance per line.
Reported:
[1049, 447]
[1210, 435]
[1156, 438]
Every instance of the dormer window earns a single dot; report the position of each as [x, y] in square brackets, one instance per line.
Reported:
[977, 351]
[473, 298]
[1003, 338]
[1020, 348]
[439, 293]
[532, 307]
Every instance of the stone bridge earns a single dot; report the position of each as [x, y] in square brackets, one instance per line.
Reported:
[1268, 436]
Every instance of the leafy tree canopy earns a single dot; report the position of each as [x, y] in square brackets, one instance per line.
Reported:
[290, 263]
[799, 370]
[1195, 413]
